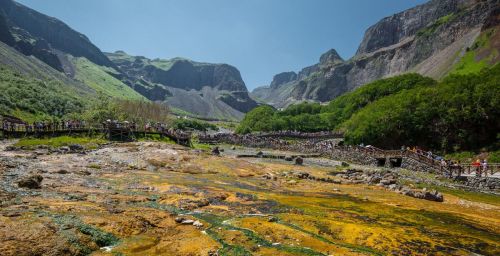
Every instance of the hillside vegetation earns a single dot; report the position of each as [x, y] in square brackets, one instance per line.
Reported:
[98, 79]
[32, 98]
[461, 112]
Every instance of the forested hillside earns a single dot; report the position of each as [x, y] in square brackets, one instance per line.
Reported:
[461, 112]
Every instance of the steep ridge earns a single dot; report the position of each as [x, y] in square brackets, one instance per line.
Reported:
[432, 39]
[45, 48]
[204, 89]
[44, 36]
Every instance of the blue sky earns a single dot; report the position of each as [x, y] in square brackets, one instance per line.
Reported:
[260, 37]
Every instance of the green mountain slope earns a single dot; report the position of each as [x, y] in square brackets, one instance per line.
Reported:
[99, 78]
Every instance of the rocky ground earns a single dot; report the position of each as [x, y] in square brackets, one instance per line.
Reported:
[151, 198]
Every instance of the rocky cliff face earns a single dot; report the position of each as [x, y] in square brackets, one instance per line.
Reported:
[429, 39]
[44, 37]
[170, 80]
[283, 78]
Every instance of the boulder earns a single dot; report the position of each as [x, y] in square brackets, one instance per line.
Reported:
[76, 147]
[64, 149]
[299, 161]
[216, 151]
[10, 148]
[272, 219]
[433, 196]
[197, 224]
[302, 175]
[31, 182]
[187, 222]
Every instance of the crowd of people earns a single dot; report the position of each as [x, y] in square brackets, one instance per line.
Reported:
[43, 126]
[303, 135]
[334, 149]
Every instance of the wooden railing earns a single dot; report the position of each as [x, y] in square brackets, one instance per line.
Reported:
[180, 137]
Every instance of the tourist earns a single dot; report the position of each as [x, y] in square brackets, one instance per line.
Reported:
[485, 167]
[477, 167]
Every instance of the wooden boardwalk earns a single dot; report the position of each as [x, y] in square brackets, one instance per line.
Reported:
[111, 133]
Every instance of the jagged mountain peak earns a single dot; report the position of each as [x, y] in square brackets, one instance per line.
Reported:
[283, 78]
[330, 57]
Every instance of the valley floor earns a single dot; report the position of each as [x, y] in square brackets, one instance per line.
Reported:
[127, 199]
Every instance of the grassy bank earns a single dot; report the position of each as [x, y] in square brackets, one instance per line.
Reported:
[55, 142]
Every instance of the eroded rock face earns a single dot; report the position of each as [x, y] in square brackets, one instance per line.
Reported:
[396, 28]
[172, 80]
[283, 78]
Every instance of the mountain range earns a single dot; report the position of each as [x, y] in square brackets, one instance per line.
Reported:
[38, 46]
[434, 39]
[437, 38]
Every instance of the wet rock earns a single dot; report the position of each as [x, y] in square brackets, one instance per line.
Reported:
[74, 197]
[433, 196]
[246, 197]
[180, 219]
[233, 148]
[42, 147]
[269, 176]
[62, 171]
[84, 173]
[387, 182]
[76, 147]
[374, 179]
[114, 210]
[31, 182]
[187, 222]
[11, 148]
[302, 175]
[288, 158]
[11, 214]
[216, 151]
[272, 219]
[393, 187]
[353, 172]
[197, 224]
[299, 161]
[64, 149]
[260, 154]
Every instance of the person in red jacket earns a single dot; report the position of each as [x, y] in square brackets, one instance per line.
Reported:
[477, 167]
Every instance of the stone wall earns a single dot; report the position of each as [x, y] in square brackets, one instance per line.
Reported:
[481, 183]
[414, 165]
